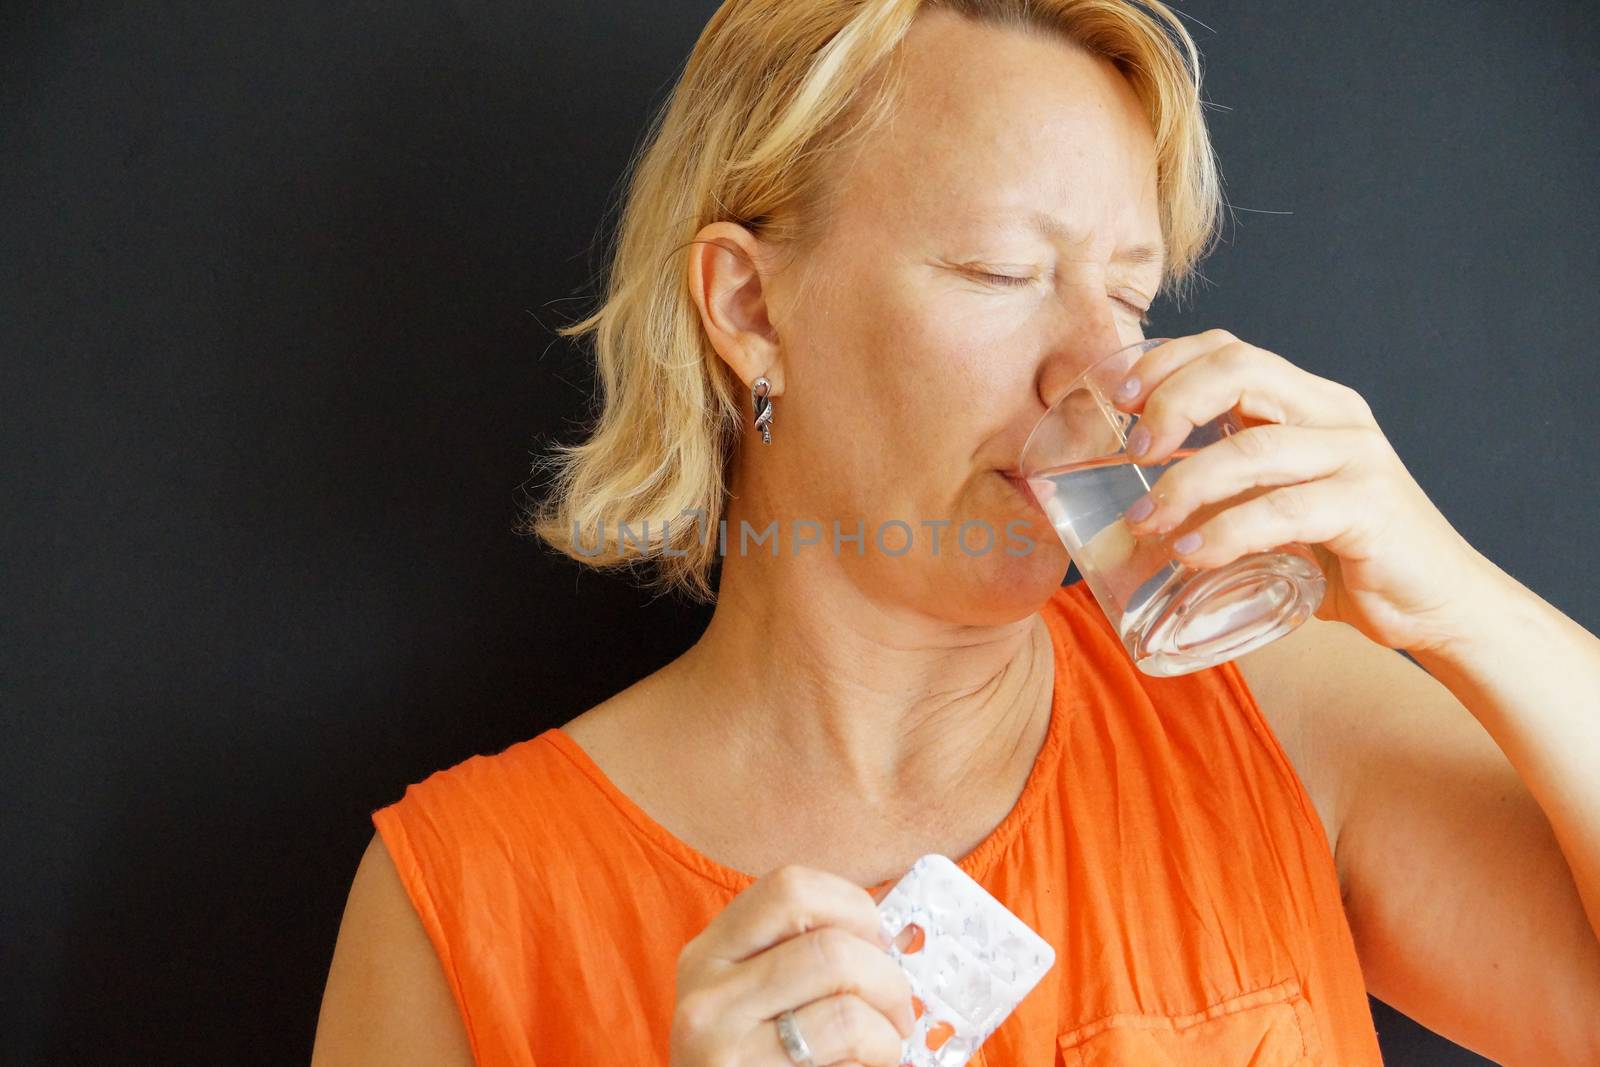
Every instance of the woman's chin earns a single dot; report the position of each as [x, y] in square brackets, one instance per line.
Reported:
[999, 587]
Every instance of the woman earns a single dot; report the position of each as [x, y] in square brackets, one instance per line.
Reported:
[868, 245]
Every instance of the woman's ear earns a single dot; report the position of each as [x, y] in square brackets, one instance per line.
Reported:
[727, 272]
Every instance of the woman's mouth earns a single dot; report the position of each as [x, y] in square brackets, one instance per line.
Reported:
[1020, 484]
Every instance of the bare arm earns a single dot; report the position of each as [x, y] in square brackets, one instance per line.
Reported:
[387, 1001]
[1460, 818]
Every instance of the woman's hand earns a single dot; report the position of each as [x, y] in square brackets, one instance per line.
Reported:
[1396, 569]
[798, 938]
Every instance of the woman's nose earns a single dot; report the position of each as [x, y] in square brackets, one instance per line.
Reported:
[1090, 331]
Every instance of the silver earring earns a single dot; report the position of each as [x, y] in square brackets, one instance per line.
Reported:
[759, 389]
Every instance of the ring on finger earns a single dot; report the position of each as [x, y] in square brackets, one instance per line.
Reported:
[795, 1045]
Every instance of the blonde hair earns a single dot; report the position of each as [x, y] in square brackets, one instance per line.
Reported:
[772, 91]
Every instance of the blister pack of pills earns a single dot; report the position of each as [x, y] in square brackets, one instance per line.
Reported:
[970, 961]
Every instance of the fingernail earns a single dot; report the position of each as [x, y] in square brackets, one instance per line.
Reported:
[1141, 510]
[1128, 389]
[1186, 544]
[1138, 441]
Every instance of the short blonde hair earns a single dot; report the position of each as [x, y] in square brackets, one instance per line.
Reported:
[772, 90]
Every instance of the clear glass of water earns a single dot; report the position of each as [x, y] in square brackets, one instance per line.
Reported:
[1173, 619]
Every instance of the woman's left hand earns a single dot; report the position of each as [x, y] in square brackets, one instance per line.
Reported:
[1396, 569]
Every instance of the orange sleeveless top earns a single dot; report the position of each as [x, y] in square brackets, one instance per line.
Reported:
[1162, 844]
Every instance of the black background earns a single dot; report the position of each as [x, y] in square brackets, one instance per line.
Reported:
[277, 287]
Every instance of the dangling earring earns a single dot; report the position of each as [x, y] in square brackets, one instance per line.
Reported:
[759, 389]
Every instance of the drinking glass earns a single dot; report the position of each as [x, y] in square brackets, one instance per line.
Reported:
[1172, 618]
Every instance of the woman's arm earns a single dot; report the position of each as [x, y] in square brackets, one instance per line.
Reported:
[387, 1001]
[1468, 806]
[1467, 816]
[1531, 677]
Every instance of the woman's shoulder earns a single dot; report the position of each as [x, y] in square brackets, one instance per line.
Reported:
[526, 813]
[476, 803]
[546, 789]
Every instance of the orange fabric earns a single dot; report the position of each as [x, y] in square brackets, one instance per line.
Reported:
[1162, 844]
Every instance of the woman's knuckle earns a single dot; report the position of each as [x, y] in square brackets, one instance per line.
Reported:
[1371, 444]
[1289, 502]
[1362, 408]
[832, 947]
[794, 894]
[788, 880]
[695, 1014]
[688, 964]
[849, 1021]
[1256, 443]
[1233, 357]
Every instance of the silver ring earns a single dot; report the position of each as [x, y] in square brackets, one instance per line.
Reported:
[795, 1045]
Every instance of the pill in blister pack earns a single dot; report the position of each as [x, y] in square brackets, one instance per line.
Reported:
[970, 961]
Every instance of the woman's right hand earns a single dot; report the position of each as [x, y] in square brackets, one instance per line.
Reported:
[798, 938]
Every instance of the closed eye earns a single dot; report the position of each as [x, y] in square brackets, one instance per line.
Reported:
[1003, 279]
[1009, 281]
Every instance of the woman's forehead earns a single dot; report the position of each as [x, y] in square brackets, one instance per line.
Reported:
[1064, 198]
[1027, 155]
[960, 78]
[995, 132]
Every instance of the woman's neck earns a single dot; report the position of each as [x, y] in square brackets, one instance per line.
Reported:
[807, 679]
